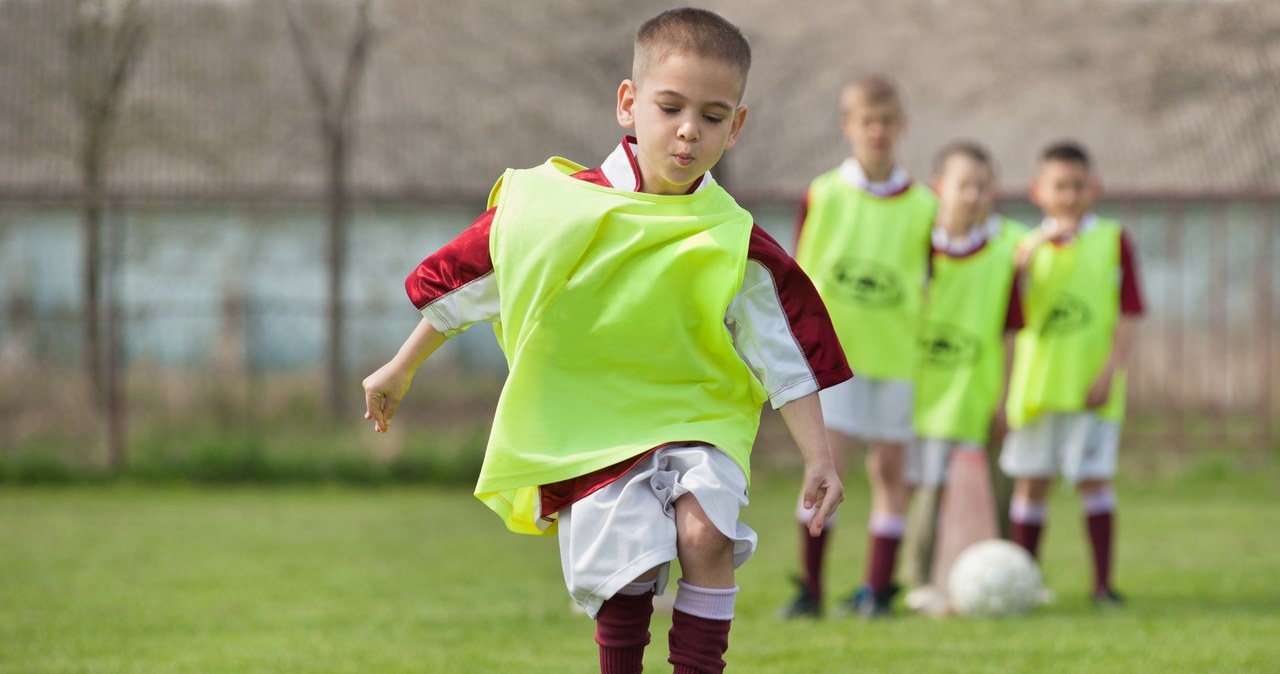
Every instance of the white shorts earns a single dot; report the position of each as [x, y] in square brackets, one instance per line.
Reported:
[869, 409]
[1077, 446]
[611, 537]
[927, 460]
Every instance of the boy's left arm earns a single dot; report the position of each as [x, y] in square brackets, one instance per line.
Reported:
[1121, 342]
[1132, 306]
[822, 489]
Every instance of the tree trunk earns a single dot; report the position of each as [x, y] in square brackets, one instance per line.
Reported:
[113, 348]
[91, 223]
[337, 207]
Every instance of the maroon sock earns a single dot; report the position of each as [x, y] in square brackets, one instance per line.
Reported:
[1027, 534]
[697, 644]
[622, 630]
[1100, 535]
[813, 550]
[884, 556]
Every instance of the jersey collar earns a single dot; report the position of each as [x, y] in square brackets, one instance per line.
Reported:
[622, 170]
[974, 239]
[853, 174]
[1088, 222]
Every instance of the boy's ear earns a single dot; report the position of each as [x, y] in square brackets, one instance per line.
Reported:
[627, 104]
[1033, 192]
[739, 118]
[1095, 187]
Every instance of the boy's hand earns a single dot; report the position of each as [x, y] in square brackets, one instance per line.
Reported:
[1000, 424]
[383, 391]
[1100, 391]
[823, 491]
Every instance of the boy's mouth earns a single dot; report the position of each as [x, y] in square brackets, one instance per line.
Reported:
[683, 159]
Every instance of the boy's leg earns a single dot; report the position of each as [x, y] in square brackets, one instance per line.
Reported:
[1028, 513]
[1099, 503]
[622, 626]
[703, 610]
[1090, 461]
[813, 549]
[889, 498]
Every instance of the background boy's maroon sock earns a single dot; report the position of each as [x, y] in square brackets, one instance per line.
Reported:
[622, 631]
[814, 551]
[884, 557]
[1026, 522]
[1100, 537]
[886, 536]
[1099, 509]
[1027, 535]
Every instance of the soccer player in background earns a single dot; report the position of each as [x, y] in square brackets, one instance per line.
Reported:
[1067, 392]
[972, 309]
[864, 240]
[645, 319]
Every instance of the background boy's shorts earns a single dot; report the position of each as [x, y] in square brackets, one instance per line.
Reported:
[1078, 446]
[927, 460]
[869, 409]
[611, 537]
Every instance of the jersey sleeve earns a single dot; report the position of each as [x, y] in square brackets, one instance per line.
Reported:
[1013, 319]
[781, 328]
[454, 288]
[1131, 300]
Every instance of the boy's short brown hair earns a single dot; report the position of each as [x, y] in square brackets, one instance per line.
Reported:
[873, 90]
[687, 30]
[961, 148]
[1067, 151]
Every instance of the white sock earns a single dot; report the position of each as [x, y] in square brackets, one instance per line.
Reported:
[1025, 511]
[887, 525]
[706, 602]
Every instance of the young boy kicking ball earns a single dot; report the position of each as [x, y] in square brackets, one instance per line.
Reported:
[645, 319]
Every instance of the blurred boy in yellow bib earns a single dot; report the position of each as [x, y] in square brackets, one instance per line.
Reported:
[1066, 394]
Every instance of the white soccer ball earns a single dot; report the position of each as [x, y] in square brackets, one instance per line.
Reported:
[994, 578]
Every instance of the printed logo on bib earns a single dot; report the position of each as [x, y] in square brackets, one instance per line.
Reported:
[1066, 317]
[945, 345]
[868, 282]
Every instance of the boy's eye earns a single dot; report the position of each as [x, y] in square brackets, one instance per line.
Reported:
[714, 119]
[669, 109]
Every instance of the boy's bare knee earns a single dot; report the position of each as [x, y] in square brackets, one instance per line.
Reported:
[696, 535]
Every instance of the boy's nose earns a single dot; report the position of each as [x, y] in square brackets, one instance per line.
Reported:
[688, 132]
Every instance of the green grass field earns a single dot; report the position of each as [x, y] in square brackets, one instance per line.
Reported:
[177, 579]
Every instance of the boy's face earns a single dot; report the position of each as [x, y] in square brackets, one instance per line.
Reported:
[685, 113]
[873, 130]
[966, 189]
[1064, 189]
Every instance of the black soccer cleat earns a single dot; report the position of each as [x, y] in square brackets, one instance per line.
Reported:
[869, 604]
[1107, 597]
[805, 605]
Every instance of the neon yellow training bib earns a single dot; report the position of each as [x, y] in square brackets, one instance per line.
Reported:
[960, 371]
[866, 255]
[612, 322]
[1072, 303]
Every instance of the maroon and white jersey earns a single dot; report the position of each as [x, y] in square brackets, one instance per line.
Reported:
[778, 323]
[1131, 300]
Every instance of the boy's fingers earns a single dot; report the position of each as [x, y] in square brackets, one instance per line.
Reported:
[819, 520]
[373, 403]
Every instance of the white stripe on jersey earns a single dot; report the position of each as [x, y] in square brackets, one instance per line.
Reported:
[762, 335]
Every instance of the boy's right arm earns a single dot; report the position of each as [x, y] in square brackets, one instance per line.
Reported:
[823, 490]
[386, 387]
